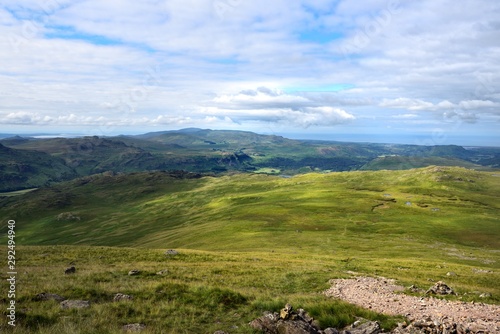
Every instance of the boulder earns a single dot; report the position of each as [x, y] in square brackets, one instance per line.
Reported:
[286, 322]
[67, 216]
[171, 252]
[120, 296]
[49, 296]
[440, 288]
[134, 327]
[69, 304]
[363, 326]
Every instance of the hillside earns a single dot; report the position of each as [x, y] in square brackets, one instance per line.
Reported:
[20, 169]
[225, 152]
[247, 243]
[264, 212]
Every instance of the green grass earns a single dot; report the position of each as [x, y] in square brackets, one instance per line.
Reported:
[202, 291]
[248, 243]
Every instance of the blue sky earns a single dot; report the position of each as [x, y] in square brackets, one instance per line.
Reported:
[423, 72]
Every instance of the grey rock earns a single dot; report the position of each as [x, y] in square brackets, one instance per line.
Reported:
[287, 322]
[120, 296]
[69, 304]
[134, 272]
[49, 296]
[171, 252]
[134, 327]
[330, 330]
[363, 326]
[67, 216]
[162, 272]
[440, 288]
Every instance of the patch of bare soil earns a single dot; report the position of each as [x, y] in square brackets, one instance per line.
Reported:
[380, 295]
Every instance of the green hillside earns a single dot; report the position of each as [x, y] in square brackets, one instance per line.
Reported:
[223, 152]
[264, 212]
[247, 243]
[409, 162]
[20, 169]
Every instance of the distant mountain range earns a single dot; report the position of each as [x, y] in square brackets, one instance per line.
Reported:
[35, 162]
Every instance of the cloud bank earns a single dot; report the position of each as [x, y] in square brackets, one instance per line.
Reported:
[343, 66]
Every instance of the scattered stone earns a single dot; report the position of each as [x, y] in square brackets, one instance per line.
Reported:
[69, 304]
[120, 296]
[70, 270]
[134, 327]
[415, 289]
[286, 312]
[451, 273]
[363, 326]
[485, 295]
[162, 272]
[49, 296]
[171, 252]
[134, 272]
[440, 288]
[220, 332]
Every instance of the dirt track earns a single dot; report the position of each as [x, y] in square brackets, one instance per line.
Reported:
[379, 294]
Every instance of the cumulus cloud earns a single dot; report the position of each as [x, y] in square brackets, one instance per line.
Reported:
[197, 62]
[273, 105]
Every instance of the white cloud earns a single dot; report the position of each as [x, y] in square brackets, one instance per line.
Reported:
[272, 105]
[416, 104]
[167, 63]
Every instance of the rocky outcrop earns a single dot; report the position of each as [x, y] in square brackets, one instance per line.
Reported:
[273, 323]
[440, 288]
[289, 321]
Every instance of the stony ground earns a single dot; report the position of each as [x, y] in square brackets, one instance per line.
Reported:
[380, 295]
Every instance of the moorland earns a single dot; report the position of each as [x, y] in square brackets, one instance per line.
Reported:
[254, 223]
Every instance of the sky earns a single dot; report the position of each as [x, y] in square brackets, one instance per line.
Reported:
[422, 72]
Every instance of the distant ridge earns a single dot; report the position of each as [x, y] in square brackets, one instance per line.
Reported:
[217, 151]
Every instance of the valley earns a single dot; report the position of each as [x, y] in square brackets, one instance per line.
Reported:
[200, 249]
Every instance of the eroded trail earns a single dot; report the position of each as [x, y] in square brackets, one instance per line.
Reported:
[379, 294]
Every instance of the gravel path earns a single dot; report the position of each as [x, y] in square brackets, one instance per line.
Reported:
[379, 294]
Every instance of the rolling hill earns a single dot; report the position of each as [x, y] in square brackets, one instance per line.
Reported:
[244, 244]
[224, 152]
[260, 211]
[20, 169]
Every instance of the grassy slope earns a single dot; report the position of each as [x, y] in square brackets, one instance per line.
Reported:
[28, 169]
[255, 243]
[405, 162]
